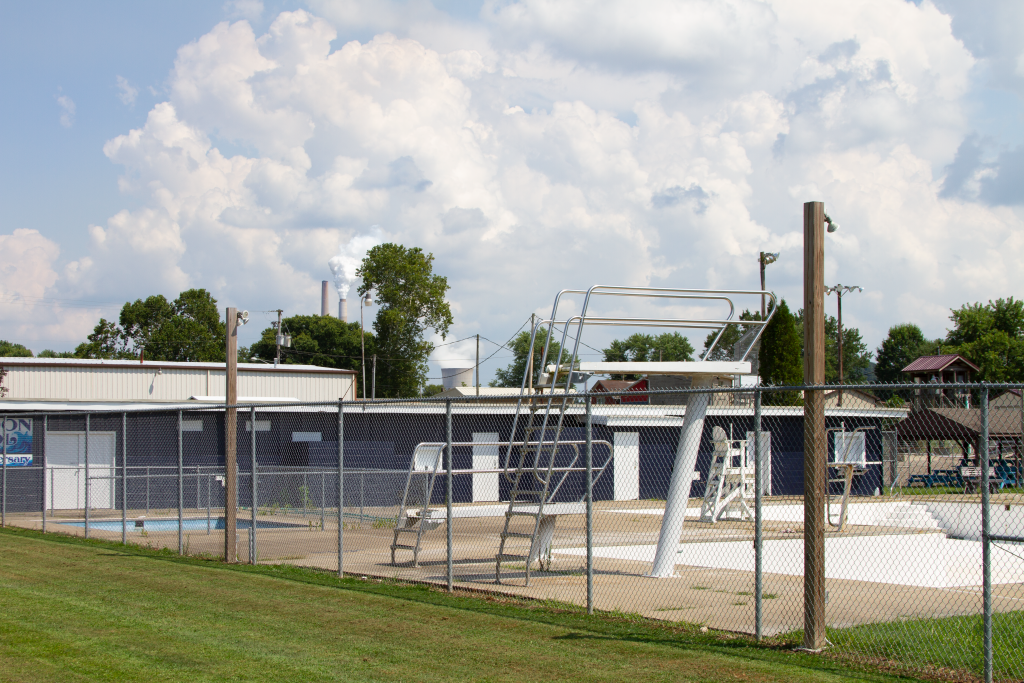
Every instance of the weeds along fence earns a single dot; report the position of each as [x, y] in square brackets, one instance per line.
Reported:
[924, 510]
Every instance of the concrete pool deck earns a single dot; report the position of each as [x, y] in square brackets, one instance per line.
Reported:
[873, 573]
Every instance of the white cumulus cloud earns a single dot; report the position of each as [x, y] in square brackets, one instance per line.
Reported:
[552, 145]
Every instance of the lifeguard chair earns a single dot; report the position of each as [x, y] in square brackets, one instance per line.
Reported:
[730, 480]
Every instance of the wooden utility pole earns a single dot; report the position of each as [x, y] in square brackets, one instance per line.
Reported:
[815, 447]
[230, 434]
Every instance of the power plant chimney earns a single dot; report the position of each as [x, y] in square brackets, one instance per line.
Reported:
[343, 310]
[323, 300]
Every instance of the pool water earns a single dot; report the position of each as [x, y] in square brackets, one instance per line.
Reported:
[190, 524]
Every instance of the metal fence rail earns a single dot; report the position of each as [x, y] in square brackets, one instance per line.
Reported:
[924, 511]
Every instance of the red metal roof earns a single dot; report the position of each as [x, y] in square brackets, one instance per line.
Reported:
[937, 363]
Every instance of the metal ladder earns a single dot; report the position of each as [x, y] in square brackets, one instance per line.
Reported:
[727, 485]
[426, 461]
[535, 481]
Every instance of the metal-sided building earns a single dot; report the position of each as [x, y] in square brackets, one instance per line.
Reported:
[379, 438]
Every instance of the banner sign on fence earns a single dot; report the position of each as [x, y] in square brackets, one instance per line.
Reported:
[18, 433]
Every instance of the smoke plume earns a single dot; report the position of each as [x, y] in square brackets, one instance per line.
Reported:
[349, 257]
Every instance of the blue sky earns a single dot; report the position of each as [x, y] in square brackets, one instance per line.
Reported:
[530, 145]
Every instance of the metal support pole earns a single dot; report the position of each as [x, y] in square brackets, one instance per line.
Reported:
[181, 492]
[758, 537]
[45, 426]
[124, 478]
[815, 446]
[373, 391]
[341, 479]
[255, 483]
[3, 483]
[839, 304]
[590, 508]
[986, 541]
[477, 364]
[86, 475]
[760, 260]
[681, 481]
[448, 489]
[323, 497]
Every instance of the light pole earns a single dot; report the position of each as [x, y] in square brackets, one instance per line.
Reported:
[367, 300]
[839, 291]
[765, 259]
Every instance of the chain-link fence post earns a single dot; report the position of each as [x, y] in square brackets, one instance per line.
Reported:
[590, 507]
[448, 487]
[758, 538]
[124, 481]
[181, 491]
[3, 484]
[255, 482]
[986, 544]
[43, 479]
[341, 483]
[86, 475]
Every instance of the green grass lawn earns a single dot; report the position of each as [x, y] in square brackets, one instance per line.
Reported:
[951, 642]
[76, 610]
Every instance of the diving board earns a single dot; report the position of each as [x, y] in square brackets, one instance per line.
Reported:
[704, 367]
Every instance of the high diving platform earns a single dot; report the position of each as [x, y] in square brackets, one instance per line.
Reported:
[543, 448]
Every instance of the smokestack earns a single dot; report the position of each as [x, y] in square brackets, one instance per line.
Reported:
[323, 300]
[343, 310]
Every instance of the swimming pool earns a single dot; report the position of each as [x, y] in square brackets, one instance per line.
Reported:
[188, 524]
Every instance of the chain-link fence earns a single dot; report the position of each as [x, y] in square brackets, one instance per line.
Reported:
[686, 506]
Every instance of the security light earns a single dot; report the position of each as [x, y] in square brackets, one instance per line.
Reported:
[243, 317]
[832, 225]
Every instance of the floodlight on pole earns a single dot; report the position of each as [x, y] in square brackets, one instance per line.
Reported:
[832, 225]
[766, 258]
[367, 300]
[839, 291]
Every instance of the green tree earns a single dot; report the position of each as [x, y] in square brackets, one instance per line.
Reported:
[432, 390]
[856, 357]
[512, 375]
[49, 353]
[186, 329]
[13, 350]
[193, 332]
[316, 340]
[106, 341]
[992, 336]
[639, 347]
[411, 300]
[724, 349]
[781, 361]
[904, 343]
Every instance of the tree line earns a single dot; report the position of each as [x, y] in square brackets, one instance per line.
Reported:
[410, 298]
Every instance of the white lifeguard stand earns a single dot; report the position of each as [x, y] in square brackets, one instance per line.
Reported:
[850, 459]
[730, 480]
[543, 407]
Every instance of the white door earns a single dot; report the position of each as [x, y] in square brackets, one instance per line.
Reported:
[627, 465]
[766, 459]
[65, 470]
[485, 484]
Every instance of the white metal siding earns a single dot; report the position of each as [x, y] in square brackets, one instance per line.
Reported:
[146, 383]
